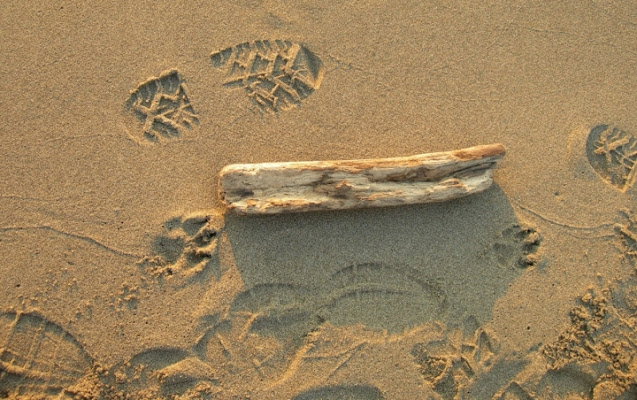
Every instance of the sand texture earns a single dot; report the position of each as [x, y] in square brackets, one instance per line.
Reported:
[123, 275]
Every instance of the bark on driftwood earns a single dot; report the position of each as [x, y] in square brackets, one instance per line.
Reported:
[274, 188]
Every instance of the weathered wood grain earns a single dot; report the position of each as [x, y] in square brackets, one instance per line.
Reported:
[274, 188]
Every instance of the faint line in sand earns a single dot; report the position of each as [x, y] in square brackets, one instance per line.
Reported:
[575, 35]
[79, 137]
[83, 238]
[26, 198]
[608, 227]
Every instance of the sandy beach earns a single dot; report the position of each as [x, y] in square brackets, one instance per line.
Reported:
[123, 275]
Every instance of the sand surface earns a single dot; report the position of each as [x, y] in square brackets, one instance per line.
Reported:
[122, 277]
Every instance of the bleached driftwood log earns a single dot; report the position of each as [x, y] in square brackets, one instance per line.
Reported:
[273, 188]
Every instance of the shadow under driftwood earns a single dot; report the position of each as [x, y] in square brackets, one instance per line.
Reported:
[388, 269]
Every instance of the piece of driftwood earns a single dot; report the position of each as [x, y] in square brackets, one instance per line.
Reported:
[274, 188]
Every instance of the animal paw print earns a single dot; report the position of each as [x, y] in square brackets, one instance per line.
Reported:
[162, 106]
[518, 246]
[128, 298]
[451, 366]
[186, 247]
[276, 74]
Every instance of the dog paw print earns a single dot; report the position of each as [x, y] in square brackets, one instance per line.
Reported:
[518, 246]
[186, 247]
[452, 365]
[128, 297]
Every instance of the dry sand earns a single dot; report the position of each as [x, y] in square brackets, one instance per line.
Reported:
[122, 278]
